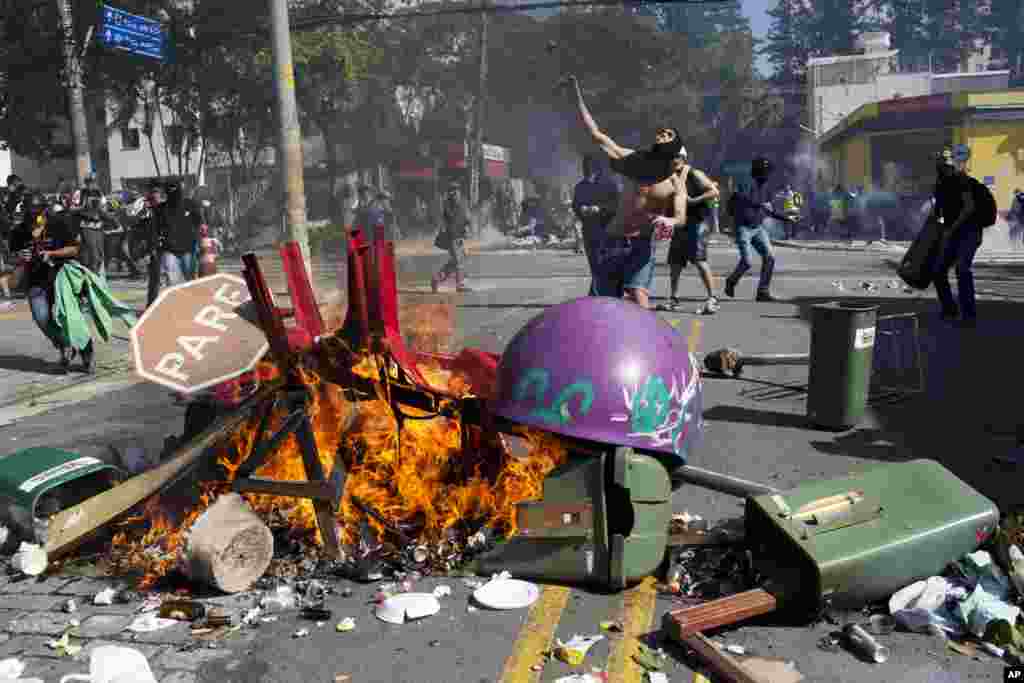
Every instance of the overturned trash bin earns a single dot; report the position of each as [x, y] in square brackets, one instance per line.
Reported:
[603, 520]
[37, 483]
[842, 350]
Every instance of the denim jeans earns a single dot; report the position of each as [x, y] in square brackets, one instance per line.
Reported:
[756, 237]
[959, 251]
[167, 270]
[41, 303]
[456, 263]
[591, 248]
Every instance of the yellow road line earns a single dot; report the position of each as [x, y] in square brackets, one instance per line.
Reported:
[535, 636]
[637, 613]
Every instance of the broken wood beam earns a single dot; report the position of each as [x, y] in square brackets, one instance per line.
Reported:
[228, 547]
[314, 490]
[721, 662]
[70, 527]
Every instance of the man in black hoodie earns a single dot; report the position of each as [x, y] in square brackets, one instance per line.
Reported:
[177, 223]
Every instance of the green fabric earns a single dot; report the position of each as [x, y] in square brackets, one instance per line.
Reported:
[69, 321]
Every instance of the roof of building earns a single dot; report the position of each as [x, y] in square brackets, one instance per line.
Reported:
[908, 112]
[840, 59]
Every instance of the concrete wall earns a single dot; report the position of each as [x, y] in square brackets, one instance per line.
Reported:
[997, 151]
[834, 102]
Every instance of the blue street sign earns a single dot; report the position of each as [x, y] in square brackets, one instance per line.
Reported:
[120, 30]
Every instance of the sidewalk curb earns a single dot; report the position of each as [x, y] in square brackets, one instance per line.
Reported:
[866, 249]
[122, 371]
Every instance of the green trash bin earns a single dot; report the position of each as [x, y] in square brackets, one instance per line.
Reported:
[602, 521]
[842, 348]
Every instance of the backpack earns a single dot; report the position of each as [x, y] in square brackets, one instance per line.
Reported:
[984, 203]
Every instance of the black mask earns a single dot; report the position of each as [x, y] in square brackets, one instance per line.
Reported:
[666, 150]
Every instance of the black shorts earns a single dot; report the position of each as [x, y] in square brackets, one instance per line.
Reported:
[689, 245]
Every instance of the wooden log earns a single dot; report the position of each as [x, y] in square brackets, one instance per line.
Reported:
[682, 623]
[724, 665]
[229, 547]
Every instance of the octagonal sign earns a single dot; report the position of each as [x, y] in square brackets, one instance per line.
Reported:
[195, 336]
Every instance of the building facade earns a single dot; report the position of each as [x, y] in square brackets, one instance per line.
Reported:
[889, 146]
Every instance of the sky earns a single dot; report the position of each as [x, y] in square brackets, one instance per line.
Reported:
[757, 10]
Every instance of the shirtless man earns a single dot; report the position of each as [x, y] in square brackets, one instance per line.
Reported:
[652, 204]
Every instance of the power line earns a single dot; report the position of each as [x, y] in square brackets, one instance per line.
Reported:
[345, 19]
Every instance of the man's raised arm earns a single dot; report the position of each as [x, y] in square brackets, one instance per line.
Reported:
[609, 146]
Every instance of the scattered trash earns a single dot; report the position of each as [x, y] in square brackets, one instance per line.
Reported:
[314, 593]
[30, 559]
[345, 625]
[64, 646]
[269, 620]
[301, 633]
[342, 678]
[316, 613]
[881, 624]
[1016, 562]
[11, 668]
[218, 618]
[611, 626]
[894, 284]
[105, 597]
[346, 592]
[736, 649]
[70, 606]
[406, 607]
[774, 670]
[151, 604]
[182, 610]
[505, 593]
[149, 622]
[865, 643]
[580, 678]
[838, 285]
[868, 286]
[656, 677]
[283, 598]
[113, 663]
[993, 649]
[575, 650]
[830, 643]
[1006, 635]
[965, 648]
[442, 591]
[649, 658]
[252, 616]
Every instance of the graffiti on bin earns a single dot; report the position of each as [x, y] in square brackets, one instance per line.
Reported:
[660, 413]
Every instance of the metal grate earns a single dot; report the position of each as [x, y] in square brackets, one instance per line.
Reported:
[897, 368]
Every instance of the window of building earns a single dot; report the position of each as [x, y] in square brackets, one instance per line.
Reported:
[130, 138]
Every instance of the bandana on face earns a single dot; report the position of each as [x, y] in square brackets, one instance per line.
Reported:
[652, 165]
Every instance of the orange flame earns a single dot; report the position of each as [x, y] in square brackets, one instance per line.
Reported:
[418, 479]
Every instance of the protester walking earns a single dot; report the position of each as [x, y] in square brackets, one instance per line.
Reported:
[452, 238]
[177, 222]
[751, 205]
[689, 241]
[594, 202]
[964, 207]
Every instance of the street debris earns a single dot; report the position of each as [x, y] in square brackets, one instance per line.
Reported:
[735, 649]
[149, 622]
[301, 633]
[30, 559]
[229, 547]
[182, 610]
[648, 658]
[611, 626]
[582, 678]
[864, 643]
[774, 670]
[112, 663]
[868, 286]
[405, 607]
[442, 591]
[315, 613]
[283, 598]
[575, 650]
[70, 606]
[105, 597]
[64, 646]
[506, 593]
[657, 677]
[838, 285]
[345, 625]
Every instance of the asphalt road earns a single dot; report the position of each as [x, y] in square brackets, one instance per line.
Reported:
[755, 429]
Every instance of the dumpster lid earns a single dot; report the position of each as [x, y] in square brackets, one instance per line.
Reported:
[27, 474]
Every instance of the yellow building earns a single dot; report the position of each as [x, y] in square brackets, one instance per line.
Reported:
[889, 146]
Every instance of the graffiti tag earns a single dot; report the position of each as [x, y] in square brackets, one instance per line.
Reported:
[660, 412]
[533, 386]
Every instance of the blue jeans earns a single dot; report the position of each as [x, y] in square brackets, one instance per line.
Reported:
[756, 237]
[176, 268]
[41, 303]
[592, 249]
[624, 264]
[958, 251]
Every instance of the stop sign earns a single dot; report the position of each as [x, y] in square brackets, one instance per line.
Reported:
[193, 336]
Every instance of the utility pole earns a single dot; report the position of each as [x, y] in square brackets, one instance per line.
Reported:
[76, 96]
[289, 151]
[477, 153]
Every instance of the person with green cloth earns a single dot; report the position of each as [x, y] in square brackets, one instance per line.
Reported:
[57, 283]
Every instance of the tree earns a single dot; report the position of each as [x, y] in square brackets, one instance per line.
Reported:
[788, 44]
[703, 24]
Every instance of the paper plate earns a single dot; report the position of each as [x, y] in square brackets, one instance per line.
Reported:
[507, 594]
[408, 606]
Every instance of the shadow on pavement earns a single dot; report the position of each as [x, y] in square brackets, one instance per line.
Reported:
[972, 380]
[30, 364]
[726, 413]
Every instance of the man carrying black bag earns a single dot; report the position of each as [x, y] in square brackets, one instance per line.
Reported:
[452, 238]
[965, 207]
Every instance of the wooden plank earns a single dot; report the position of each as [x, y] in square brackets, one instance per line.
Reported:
[720, 661]
[70, 527]
[291, 489]
[683, 623]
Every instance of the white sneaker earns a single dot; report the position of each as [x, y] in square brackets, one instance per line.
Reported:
[710, 307]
